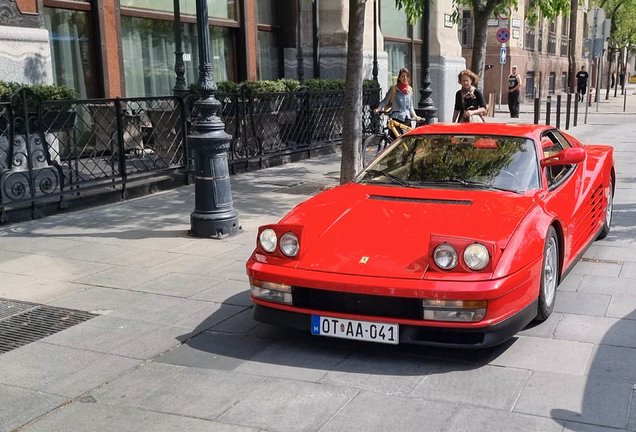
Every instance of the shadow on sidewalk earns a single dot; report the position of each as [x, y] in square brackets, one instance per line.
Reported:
[226, 342]
[610, 395]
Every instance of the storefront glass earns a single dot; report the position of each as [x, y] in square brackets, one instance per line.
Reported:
[148, 52]
[393, 21]
[268, 58]
[216, 8]
[71, 50]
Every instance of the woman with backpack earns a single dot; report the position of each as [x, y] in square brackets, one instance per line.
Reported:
[399, 100]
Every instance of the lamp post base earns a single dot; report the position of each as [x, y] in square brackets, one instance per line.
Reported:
[214, 225]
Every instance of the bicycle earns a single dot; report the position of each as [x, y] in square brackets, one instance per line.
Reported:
[387, 129]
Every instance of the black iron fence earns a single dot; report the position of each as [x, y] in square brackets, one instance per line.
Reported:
[55, 149]
[267, 127]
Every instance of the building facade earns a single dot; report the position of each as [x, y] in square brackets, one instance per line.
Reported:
[110, 48]
[542, 52]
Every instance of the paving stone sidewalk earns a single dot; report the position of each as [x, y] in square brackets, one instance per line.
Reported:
[173, 346]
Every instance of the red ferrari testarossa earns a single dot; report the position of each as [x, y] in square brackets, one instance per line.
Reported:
[456, 235]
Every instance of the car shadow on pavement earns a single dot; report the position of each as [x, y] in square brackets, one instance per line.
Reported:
[227, 339]
[609, 395]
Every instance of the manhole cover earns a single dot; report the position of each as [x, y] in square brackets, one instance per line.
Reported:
[22, 323]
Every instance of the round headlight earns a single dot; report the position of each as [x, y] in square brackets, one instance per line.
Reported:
[268, 240]
[289, 244]
[445, 256]
[476, 256]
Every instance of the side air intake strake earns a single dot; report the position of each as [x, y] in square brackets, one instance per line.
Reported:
[420, 200]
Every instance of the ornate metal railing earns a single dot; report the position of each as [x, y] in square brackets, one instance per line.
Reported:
[54, 149]
[266, 126]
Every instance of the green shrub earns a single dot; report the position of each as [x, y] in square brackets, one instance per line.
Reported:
[45, 91]
[325, 84]
[264, 86]
[291, 85]
[227, 87]
[284, 85]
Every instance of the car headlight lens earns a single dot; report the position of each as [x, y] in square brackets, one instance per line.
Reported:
[476, 256]
[270, 291]
[289, 244]
[268, 240]
[454, 310]
[445, 256]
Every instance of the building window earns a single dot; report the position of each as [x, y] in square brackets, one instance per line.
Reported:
[393, 22]
[466, 30]
[148, 55]
[564, 81]
[269, 47]
[529, 85]
[529, 40]
[72, 54]
[402, 43]
[224, 9]
[551, 83]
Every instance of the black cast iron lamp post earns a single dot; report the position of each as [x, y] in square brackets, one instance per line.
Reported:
[426, 108]
[214, 215]
[180, 87]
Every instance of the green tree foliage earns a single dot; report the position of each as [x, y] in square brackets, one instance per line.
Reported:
[483, 10]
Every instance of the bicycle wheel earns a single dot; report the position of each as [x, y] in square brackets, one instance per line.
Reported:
[372, 146]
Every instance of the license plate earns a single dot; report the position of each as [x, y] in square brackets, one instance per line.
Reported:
[356, 330]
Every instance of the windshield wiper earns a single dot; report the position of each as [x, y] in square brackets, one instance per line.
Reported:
[393, 178]
[469, 183]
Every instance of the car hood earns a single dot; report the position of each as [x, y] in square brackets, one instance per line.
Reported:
[385, 231]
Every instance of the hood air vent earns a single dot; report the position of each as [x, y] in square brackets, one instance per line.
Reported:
[420, 200]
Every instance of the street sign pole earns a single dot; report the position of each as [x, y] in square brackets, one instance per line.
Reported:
[502, 62]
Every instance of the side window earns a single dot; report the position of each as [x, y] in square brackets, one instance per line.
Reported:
[556, 173]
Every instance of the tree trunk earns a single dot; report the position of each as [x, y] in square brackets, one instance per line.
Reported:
[482, 14]
[352, 128]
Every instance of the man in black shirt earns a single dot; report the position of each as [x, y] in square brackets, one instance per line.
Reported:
[581, 82]
[514, 84]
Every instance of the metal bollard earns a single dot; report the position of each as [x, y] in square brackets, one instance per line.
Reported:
[576, 110]
[567, 111]
[558, 112]
[548, 103]
[537, 109]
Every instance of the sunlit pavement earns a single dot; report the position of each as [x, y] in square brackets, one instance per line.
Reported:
[174, 348]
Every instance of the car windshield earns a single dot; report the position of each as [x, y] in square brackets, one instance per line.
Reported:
[472, 161]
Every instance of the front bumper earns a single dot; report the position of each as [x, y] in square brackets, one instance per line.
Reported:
[512, 303]
[481, 337]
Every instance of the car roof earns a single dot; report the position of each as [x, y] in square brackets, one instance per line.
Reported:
[512, 129]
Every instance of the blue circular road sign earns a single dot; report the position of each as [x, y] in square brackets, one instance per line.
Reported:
[503, 35]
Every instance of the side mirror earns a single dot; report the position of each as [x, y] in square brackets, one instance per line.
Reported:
[568, 156]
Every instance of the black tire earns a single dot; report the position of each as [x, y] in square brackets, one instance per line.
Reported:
[550, 276]
[607, 225]
[372, 146]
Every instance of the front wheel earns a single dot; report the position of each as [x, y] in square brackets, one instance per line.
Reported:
[608, 213]
[549, 276]
[372, 146]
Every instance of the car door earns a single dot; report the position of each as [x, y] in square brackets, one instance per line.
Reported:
[564, 197]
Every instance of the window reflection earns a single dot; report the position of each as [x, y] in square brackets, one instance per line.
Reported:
[71, 50]
[148, 52]
[216, 8]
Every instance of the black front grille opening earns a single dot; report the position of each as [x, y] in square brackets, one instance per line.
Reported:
[445, 336]
[357, 304]
[22, 323]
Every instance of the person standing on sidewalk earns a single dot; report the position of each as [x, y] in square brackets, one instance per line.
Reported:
[514, 86]
[581, 82]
